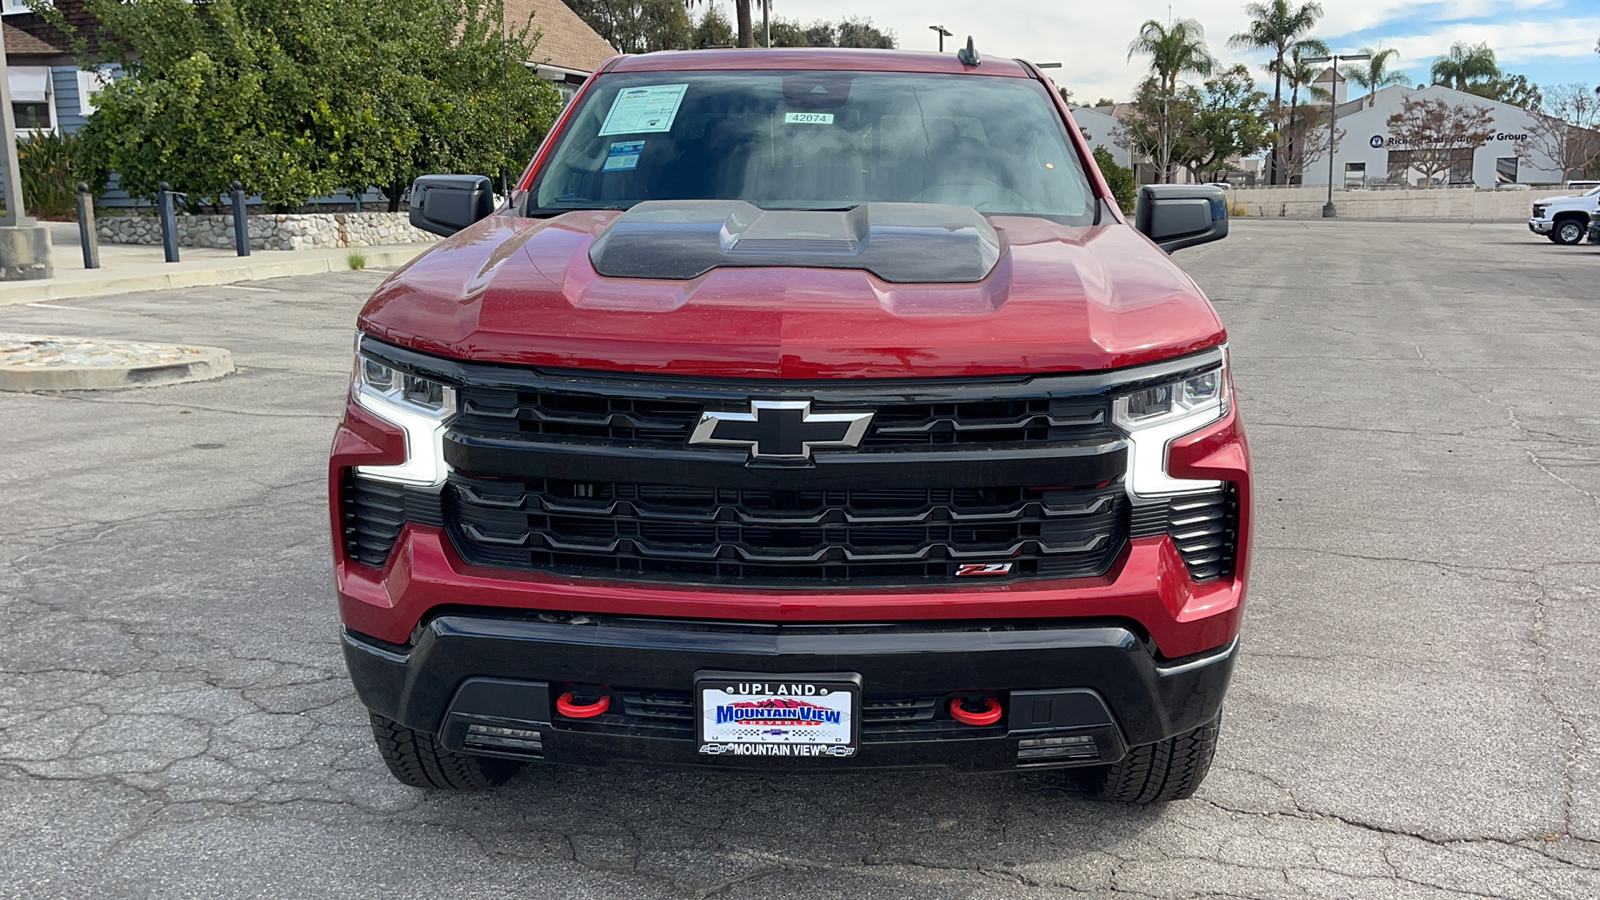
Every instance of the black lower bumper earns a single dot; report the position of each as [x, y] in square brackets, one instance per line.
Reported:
[1071, 694]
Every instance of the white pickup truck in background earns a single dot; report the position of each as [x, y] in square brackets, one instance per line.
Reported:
[1566, 219]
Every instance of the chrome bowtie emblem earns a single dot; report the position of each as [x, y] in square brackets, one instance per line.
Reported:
[781, 429]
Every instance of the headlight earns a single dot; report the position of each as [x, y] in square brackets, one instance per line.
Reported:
[1154, 416]
[418, 406]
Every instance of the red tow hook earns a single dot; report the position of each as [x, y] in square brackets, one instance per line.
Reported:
[988, 716]
[572, 710]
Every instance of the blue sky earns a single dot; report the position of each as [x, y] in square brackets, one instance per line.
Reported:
[1550, 41]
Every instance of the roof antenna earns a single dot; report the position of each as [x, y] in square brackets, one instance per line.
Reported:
[969, 56]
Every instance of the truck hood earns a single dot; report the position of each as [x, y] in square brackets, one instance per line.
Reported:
[1058, 299]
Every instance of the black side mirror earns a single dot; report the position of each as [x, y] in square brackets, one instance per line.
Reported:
[445, 204]
[1181, 215]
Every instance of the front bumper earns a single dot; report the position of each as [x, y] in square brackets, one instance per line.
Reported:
[1541, 226]
[1107, 688]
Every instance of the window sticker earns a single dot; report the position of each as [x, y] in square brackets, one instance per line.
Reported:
[623, 156]
[795, 118]
[644, 110]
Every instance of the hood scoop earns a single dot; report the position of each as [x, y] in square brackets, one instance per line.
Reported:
[903, 243]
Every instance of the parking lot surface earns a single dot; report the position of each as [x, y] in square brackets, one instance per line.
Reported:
[1415, 713]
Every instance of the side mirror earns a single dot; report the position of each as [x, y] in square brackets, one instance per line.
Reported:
[1181, 215]
[445, 204]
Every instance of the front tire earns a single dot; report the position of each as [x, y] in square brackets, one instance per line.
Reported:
[417, 759]
[1569, 232]
[1155, 773]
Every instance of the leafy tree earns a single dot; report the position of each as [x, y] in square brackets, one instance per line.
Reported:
[1465, 65]
[1277, 26]
[822, 34]
[1304, 139]
[1119, 178]
[637, 26]
[1437, 135]
[861, 33]
[1105, 101]
[712, 30]
[1228, 123]
[1374, 75]
[852, 32]
[745, 35]
[1516, 90]
[1174, 51]
[1565, 130]
[298, 98]
[1159, 126]
[788, 33]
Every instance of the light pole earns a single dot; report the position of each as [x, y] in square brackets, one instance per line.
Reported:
[24, 243]
[15, 214]
[943, 33]
[1329, 211]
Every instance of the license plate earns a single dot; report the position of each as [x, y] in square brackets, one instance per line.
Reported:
[777, 715]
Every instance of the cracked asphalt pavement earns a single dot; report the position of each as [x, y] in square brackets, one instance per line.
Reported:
[1414, 714]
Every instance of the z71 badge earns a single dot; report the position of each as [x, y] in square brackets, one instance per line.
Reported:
[967, 570]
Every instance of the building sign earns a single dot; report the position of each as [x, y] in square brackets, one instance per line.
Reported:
[1378, 141]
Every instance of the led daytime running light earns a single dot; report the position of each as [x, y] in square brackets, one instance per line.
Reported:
[420, 407]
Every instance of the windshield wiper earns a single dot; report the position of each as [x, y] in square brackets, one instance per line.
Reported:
[542, 211]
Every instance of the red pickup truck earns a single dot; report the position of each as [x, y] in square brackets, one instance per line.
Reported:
[798, 409]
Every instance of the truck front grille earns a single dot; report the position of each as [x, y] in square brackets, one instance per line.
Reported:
[785, 538]
[980, 481]
[652, 421]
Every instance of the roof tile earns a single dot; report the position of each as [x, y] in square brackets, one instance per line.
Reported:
[567, 42]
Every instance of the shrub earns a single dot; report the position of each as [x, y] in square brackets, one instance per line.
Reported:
[357, 261]
[1120, 179]
[51, 165]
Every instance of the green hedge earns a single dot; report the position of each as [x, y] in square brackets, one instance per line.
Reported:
[51, 165]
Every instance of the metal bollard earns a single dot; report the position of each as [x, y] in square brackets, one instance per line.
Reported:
[86, 234]
[241, 226]
[169, 221]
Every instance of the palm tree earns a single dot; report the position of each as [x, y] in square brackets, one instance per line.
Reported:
[1374, 75]
[1300, 73]
[1464, 64]
[1174, 50]
[1277, 26]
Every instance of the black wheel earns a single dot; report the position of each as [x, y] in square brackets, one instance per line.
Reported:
[416, 759]
[1569, 231]
[1155, 773]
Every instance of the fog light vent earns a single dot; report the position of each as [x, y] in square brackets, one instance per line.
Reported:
[491, 737]
[1053, 749]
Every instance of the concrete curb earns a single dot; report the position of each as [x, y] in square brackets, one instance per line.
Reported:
[204, 363]
[248, 268]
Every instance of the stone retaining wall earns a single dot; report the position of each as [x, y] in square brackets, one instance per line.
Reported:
[1462, 204]
[271, 232]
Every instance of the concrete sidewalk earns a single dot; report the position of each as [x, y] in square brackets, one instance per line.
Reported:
[125, 267]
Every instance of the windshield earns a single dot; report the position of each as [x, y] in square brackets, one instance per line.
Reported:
[817, 140]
